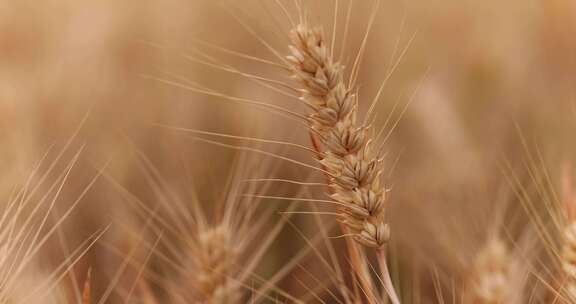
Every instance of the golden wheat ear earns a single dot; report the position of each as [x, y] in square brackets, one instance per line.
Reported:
[345, 149]
[352, 168]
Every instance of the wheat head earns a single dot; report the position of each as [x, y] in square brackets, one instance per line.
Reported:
[214, 257]
[354, 169]
[489, 280]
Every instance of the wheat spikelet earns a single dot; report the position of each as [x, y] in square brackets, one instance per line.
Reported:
[489, 280]
[354, 169]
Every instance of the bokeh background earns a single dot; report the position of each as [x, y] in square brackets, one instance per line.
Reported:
[473, 79]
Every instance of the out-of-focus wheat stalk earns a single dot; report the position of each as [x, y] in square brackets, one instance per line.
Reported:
[26, 228]
[567, 254]
[214, 249]
[568, 260]
[549, 205]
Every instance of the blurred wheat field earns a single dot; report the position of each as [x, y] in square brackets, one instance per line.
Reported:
[173, 152]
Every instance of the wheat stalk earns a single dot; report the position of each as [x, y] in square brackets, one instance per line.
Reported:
[344, 149]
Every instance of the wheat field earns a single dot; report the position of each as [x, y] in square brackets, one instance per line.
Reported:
[288, 151]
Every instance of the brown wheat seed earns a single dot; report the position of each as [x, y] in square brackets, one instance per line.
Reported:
[354, 169]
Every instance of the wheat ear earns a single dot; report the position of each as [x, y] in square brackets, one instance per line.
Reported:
[354, 169]
[344, 148]
[488, 281]
[214, 258]
[568, 260]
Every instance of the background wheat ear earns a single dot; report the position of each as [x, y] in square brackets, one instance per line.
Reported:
[216, 257]
[488, 281]
[212, 251]
[567, 255]
[568, 261]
